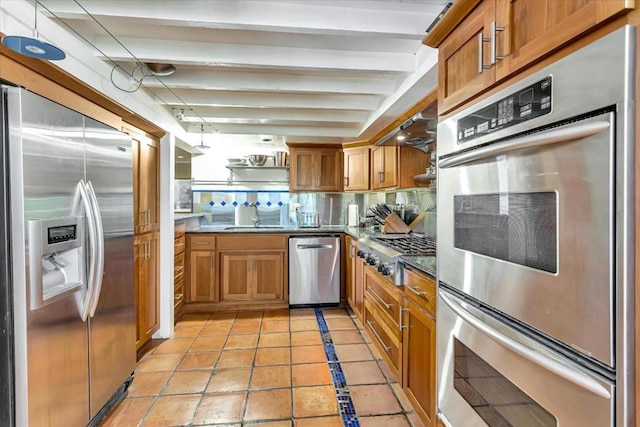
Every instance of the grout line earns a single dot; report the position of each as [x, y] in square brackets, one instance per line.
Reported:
[345, 404]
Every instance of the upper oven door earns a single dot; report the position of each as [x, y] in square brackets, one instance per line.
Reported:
[525, 225]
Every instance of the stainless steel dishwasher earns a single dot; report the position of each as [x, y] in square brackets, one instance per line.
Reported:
[314, 270]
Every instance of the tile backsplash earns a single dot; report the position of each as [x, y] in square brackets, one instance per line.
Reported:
[232, 207]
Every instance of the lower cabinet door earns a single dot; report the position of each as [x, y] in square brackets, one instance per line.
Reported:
[147, 288]
[236, 275]
[419, 365]
[268, 276]
[202, 268]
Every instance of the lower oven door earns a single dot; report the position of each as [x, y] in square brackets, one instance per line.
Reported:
[490, 375]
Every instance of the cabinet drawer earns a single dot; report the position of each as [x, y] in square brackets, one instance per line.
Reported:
[178, 268]
[251, 242]
[179, 229]
[179, 245]
[384, 295]
[422, 290]
[389, 346]
[201, 242]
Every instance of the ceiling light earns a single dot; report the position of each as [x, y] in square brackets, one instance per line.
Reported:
[202, 146]
[31, 46]
[180, 115]
[160, 70]
[401, 137]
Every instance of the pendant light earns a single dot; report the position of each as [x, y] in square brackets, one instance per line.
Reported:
[31, 46]
[202, 146]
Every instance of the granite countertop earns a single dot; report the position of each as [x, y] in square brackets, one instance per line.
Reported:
[183, 216]
[353, 231]
[425, 263]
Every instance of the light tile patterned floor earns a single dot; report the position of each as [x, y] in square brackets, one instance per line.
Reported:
[266, 369]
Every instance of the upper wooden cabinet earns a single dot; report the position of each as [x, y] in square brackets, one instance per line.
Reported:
[498, 38]
[315, 169]
[356, 169]
[146, 175]
[393, 166]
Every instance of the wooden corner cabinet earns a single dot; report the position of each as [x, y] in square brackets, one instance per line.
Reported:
[147, 287]
[395, 167]
[315, 169]
[356, 169]
[498, 38]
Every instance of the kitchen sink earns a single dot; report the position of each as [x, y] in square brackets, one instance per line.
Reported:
[251, 227]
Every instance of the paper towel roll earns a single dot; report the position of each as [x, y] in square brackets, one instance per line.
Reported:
[353, 218]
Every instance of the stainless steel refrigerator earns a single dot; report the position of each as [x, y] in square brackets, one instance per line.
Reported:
[67, 263]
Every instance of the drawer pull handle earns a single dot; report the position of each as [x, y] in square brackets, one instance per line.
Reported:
[202, 243]
[387, 306]
[402, 310]
[412, 289]
[386, 348]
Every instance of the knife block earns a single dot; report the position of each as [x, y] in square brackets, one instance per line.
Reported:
[394, 224]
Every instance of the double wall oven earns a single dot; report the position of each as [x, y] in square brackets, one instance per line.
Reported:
[535, 255]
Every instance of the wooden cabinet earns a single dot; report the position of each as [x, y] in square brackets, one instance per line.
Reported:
[419, 360]
[393, 166]
[419, 344]
[315, 169]
[463, 59]
[358, 286]
[356, 169]
[202, 269]
[252, 276]
[178, 269]
[147, 298]
[532, 29]
[355, 279]
[498, 38]
[382, 303]
[383, 167]
[146, 175]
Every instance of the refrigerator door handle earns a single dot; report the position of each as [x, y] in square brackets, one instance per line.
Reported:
[100, 247]
[93, 249]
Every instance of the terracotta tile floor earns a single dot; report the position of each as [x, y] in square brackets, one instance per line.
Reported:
[265, 369]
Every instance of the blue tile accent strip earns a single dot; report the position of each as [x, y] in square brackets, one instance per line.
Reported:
[345, 404]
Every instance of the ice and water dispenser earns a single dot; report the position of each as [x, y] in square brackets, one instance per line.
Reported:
[56, 259]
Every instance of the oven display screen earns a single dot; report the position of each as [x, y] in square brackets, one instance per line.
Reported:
[498, 401]
[516, 227]
[61, 234]
[529, 103]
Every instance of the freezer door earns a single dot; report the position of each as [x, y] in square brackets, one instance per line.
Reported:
[47, 162]
[112, 356]
[314, 270]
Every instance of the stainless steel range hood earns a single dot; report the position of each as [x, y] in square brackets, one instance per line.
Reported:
[419, 131]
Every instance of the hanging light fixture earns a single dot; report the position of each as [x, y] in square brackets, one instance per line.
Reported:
[202, 146]
[31, 46]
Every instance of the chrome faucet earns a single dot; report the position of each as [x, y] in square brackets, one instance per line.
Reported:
[255, 218]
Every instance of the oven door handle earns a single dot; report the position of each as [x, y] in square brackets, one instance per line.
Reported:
[554, 136]
[546, 361]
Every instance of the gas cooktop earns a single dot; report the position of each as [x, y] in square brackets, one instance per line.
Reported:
[409, 244]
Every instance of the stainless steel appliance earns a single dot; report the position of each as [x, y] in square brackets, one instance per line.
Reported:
[314, 270]
[535, 255]
[384, 252]
[68, 215]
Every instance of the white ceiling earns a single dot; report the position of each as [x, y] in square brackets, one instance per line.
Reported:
[300, 70]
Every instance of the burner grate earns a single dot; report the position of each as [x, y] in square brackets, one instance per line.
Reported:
[409, 245]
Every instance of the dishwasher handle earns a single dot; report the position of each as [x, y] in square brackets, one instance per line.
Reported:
[315, 246]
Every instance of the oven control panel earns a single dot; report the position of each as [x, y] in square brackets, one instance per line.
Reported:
[526, 104]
